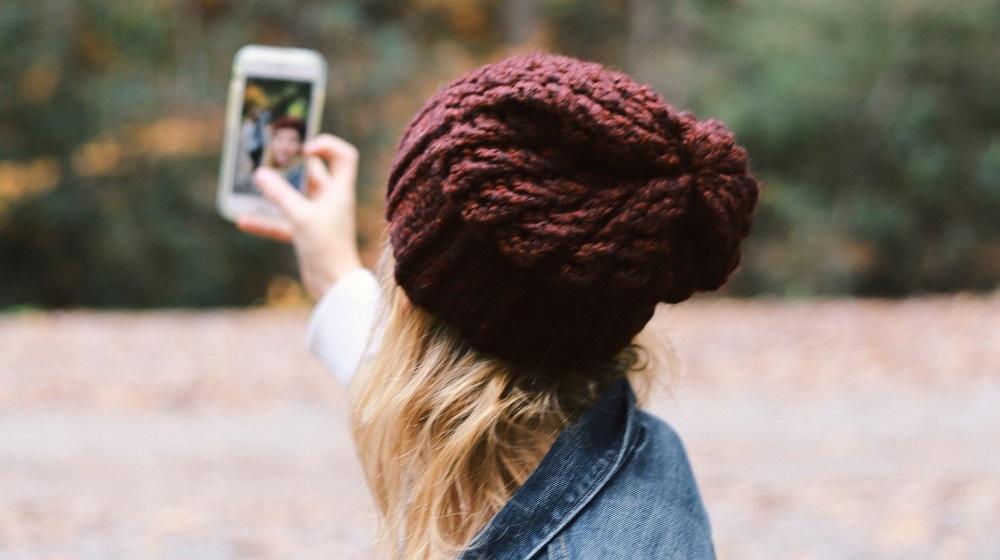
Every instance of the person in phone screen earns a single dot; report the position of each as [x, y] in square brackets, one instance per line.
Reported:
[284, 149]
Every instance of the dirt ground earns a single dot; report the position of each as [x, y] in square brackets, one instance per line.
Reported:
[817, 429]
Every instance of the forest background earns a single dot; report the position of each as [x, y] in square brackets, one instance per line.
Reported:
[873, 125]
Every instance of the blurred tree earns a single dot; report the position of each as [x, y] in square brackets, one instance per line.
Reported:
[873, 124]
[867, 121]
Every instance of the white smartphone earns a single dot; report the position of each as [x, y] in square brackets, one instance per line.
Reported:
[275, 103]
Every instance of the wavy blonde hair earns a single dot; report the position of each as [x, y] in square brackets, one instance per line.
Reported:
[446, 434]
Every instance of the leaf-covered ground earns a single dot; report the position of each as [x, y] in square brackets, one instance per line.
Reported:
[817, 429]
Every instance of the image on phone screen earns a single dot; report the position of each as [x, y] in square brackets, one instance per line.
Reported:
[272, 131]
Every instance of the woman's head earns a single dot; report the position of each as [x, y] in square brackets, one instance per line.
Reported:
[285, 146]
[539, 208]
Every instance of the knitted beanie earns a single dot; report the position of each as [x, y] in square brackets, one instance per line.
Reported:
[543, 206]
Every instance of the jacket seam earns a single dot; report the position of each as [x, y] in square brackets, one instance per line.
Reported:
[562, 546]
[631, 423]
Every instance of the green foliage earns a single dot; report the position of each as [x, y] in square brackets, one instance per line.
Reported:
[874, 126]
[886, 112]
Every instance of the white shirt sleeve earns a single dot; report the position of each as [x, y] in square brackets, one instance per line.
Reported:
[342, 321]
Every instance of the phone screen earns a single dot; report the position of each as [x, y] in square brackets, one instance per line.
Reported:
[272, 131]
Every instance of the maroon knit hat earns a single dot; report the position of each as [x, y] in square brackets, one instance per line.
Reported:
[543, 205]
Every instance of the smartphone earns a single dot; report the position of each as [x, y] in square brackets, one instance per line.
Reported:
[275, 103]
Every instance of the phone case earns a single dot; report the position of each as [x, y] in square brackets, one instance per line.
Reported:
[263, 63]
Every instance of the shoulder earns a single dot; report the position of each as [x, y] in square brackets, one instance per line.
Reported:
[659, 449]
[651, 508]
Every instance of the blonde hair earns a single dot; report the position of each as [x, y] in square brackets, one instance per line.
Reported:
[446, 434]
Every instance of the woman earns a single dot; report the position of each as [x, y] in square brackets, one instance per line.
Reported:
[538, 210]
[284, 149]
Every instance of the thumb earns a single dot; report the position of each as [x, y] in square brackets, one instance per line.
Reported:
[282, 194]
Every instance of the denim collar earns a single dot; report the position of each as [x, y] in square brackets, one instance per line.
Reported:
[580, 462]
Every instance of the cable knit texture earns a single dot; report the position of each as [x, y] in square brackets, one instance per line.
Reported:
[544, 205]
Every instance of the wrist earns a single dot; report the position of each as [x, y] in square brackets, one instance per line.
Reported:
[317, 281]
[346, 265]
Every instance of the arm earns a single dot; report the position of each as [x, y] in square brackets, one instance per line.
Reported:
[320, 224]
[342, 321]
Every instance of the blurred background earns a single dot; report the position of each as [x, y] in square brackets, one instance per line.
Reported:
[840, 398]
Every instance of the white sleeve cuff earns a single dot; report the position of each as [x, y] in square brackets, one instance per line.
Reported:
[341, 323]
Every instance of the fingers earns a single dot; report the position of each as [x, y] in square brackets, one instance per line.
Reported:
[283, 195]
[337, 178]
[338, 152]
[318, 176]
[265, 227]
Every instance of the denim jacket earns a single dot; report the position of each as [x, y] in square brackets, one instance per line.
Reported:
[616, 484]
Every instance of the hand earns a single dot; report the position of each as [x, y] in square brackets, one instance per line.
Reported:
[321, 225]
